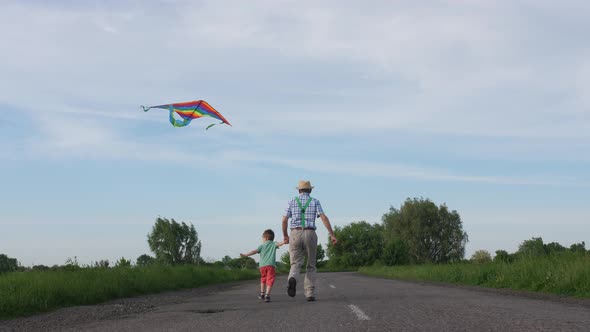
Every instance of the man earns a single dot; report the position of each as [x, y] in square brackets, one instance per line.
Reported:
[303, 211]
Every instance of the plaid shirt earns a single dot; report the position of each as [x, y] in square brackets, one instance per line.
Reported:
[313, 211]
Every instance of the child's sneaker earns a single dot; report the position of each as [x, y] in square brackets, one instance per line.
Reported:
[261, 296]
[266, 298]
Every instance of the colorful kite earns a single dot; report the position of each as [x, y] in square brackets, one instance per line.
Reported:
[189, 111]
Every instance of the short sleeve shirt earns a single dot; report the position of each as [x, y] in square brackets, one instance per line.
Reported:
[267, 251]
[313, 211]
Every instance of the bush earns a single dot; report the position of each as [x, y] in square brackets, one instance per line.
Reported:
[532, 248]
[122, 262]
[395, 253]
[503, 256]
[8, 264]
[359, 243]
[481, 257]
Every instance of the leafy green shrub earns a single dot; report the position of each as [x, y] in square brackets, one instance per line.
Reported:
[481, 257]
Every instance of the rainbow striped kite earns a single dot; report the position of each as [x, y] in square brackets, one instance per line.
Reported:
[189, 111]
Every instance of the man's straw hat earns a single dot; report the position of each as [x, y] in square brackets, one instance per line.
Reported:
[304, 185]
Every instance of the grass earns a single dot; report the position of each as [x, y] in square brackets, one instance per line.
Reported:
[564, 274]
[26, 293]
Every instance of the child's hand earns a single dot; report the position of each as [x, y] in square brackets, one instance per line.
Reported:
[242, 255]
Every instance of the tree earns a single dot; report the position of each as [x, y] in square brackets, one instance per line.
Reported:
[226, 260]
[103, 264]
[578, 247]
[122, 262]
[40, 267]
[481, 256]
[395, 253]
[359, 244]
[431, 234]
[8, 264]
[320, 255]
[145, 260]
[247, 263]
[240, 263]
[532, 247]
[174, 243]
[502, 256]
[553, 248]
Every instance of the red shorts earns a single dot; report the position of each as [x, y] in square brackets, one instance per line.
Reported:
[267, 275]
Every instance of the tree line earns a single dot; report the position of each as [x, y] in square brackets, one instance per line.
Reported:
[533, 247]
[421, 232]
[172, 243]
[417, 232]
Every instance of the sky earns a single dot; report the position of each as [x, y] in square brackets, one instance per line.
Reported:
[480, 105]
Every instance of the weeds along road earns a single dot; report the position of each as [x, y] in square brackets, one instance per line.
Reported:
[346, 302]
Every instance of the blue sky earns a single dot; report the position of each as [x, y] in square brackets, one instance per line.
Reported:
[482, 105]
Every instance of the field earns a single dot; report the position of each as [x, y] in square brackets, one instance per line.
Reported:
[563, 274]
[25, 293]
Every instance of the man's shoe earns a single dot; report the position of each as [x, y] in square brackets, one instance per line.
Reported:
[267, 298]
[311, 299]
[291, 290]
[261, 296]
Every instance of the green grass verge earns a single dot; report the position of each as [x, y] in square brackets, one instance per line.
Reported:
[567, 274]
[26, 293]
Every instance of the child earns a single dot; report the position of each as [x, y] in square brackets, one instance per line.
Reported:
[267, 251]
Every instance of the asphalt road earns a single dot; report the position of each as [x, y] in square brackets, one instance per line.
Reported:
[349, 302]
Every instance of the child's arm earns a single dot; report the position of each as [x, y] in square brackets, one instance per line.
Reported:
[279, 244]
[250, 253]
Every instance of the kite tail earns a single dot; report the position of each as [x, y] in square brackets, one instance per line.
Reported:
[213, 124]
